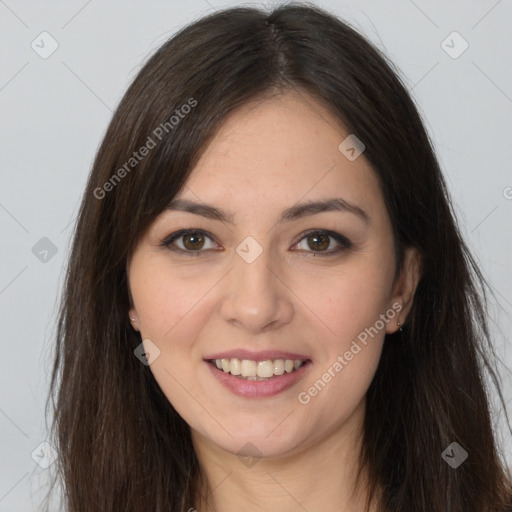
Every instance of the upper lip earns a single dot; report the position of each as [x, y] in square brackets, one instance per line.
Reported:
[261, 355]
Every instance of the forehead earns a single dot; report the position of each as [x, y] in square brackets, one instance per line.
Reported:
[276, 151]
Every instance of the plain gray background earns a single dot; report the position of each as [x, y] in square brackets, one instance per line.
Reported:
[55, 110]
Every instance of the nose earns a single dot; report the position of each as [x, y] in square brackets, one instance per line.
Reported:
[256, 297]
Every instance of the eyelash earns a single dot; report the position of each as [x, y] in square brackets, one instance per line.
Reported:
[344, 242]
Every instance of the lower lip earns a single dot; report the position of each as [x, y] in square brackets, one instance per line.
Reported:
[258, 388]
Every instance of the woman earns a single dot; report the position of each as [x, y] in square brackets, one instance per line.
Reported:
[268, 302]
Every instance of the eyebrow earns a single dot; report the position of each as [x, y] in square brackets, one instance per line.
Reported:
[293, 213]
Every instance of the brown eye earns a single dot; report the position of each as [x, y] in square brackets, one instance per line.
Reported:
[318, 242]
[193, 241]
[190, 242]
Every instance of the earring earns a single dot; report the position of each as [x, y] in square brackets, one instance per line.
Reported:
[400, 326]
[133, 319]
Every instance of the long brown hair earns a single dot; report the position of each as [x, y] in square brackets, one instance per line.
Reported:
[121, 444]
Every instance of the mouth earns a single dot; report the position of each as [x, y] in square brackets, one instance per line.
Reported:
[251, 370]
[267, 376]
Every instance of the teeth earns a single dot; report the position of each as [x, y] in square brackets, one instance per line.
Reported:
[261, 370]
[235, 367]
[265, 368]
[279, 367]
[248, 368]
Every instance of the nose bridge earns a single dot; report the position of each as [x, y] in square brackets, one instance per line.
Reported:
[256, 297]
[254, 274]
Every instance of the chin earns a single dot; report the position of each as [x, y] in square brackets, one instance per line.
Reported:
[257, 439]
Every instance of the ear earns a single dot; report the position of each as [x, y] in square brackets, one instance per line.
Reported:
[134, 319]
[132, 312]
[404, 288]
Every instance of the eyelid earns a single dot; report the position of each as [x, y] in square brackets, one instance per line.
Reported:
[342, 240]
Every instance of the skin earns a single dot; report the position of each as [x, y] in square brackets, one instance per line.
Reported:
[266, 157]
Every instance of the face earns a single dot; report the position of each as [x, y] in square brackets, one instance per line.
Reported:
[264, 282]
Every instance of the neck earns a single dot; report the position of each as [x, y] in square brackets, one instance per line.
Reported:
[319, 477]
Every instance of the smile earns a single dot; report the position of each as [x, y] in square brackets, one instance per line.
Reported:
[248, 369]
[261, 379]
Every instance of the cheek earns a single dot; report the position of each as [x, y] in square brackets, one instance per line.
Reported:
[348, 358]
[164, 300]
[351, 303]
[347, 300]
[171, 314]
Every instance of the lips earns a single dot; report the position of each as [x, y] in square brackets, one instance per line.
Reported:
[257, 374]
